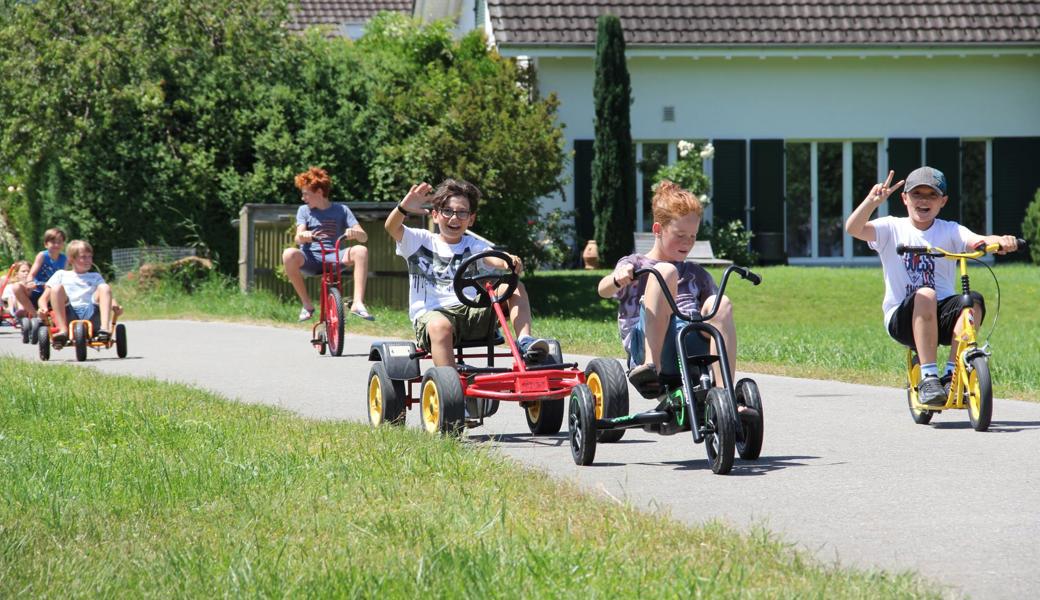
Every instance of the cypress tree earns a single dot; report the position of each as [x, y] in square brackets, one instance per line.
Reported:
[613, 165]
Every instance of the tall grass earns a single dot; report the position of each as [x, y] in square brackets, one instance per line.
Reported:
[116, 487]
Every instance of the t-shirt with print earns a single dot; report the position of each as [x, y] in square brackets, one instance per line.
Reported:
[79, 287]
[331, 222]
[695, 286]
[905, 274]
[432, 263]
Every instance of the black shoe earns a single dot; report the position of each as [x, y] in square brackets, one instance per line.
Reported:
[102, 336]
[533, 350]
[646, 380]
[58, 340]
[930, 391]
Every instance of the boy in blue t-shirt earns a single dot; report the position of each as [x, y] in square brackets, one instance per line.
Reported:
[320, 222]
[47, 263]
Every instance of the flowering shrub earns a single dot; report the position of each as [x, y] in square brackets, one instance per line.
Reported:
[688, 171]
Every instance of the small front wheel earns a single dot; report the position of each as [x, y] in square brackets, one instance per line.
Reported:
[913, 378]
[43, 341]
[35, 325]
[581, 421]
[385, 397]
[720, 430]
[752, 423]
[334, 321]
[121, 340]
[80, 339]
[26, 326]
[442, 402]
[606, 381]
[980, 394]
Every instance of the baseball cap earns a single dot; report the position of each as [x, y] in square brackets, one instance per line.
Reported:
[928, 176]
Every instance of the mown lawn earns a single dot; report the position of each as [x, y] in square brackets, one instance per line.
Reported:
[802, 321]
[117, 487]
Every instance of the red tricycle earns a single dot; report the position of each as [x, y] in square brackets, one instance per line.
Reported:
[24, 323]
[452, 398]
[327, 333]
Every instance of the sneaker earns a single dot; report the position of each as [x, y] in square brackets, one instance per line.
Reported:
[946, 380]
[930, 391]
[102, 336]
[305, 314]
[58, 340]
[533, 350]
[646, 380]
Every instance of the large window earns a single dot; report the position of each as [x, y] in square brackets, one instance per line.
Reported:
[973, 187]
[829, 193]
[798, 195]
[864, 176]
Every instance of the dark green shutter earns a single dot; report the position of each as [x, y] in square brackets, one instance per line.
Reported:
[904, 155]
[729, 176]
[767, 199]
[945, 154]
[1016, 178]
[583, 218]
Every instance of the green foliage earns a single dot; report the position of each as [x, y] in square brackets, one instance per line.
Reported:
[153, 121]
[688, 170]
[1031, 228]
[613, 168]
[733, 241]
[558, 228]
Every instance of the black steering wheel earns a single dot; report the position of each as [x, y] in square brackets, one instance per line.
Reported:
[484, 299]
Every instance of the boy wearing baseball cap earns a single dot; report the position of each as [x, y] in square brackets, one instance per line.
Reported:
[921, 305]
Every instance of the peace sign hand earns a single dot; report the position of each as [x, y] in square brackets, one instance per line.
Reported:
[881, 191]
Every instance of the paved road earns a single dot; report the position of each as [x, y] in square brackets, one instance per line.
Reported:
[844, 472]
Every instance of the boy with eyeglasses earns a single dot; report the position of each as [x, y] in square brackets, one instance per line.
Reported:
[440, 319]
[921, 305]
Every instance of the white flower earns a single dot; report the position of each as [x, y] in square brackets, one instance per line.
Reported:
[684, 148]
[705, 199]
[708, 152]
[10, 189]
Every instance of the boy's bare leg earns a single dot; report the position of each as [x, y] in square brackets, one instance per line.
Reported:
[439, 330]
[723, 321]
[58, 301]
[21, 292]
[925, 325]
[358, 256]
[292, 259]
[519, 311]
[103, 298]
[658, 312]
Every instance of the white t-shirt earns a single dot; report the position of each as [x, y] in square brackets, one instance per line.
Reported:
[432, 263]
[905, 274]
[79, 287]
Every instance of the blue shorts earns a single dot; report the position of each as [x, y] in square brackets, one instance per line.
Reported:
[87, 312]
[35, 294]
[695, 343]
[312, 264]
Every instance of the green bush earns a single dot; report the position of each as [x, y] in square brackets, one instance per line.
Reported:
[1031, 228]
[733, 241]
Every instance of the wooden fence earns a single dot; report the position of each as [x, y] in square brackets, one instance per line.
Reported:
[265, 230]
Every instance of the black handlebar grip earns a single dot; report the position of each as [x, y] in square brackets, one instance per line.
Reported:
[754, 278]
[903, 249]
[1022, 244]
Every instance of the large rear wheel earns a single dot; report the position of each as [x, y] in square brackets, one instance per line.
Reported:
[720, 430]
[980, 394]
[385, 397]
[581, 421]
[751, 421]
[80, 339]
[442, 402]
[606, 381]
[334, 321]
[544, 417]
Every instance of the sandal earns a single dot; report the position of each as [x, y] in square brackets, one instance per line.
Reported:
[59, 339]
[360, 312]
[305, 314]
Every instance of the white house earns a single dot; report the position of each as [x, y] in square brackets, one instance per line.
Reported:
[808, 103]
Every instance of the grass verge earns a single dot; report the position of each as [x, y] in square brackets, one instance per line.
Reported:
[122, 487]
[802, 321]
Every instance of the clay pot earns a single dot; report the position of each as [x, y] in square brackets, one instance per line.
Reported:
[590, 255]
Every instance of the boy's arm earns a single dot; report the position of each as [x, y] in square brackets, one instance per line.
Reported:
[858, 224]
[35, 268]
[356, 232]
[304, 235]
[411, 204]
[1008, 243]
[618, 279]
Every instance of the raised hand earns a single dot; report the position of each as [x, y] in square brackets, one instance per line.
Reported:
[417, 196]
[881, 191]
[623, 274]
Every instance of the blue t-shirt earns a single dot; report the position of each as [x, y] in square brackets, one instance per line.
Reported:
[331, 222]
[49, 267]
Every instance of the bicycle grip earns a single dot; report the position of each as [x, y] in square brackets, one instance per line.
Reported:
[1022, 244]
[902, 249]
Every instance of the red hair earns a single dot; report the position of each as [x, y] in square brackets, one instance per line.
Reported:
[314, 179]
[672, 202]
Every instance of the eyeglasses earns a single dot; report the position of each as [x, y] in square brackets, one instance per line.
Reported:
[449, 213]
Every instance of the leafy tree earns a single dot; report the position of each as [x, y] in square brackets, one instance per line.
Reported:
[613, 168]
[1031, 228]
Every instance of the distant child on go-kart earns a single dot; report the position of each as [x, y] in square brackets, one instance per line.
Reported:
[11, 303]
[46, 263]
[441, 321]
[317, 221]
[645, 319]
[921, 305]
[83, 294]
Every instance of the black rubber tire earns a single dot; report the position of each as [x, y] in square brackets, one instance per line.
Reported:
[441, 402]
[752, 428]
[722, 430]
[334, 322]
[80, 339]
[581, 425]
[385, 397]
[921, 417]
[980, 394]
[121, 340]
[43, 341]
[34, 330]
[544, 417]
[26, 326]
[606, 381]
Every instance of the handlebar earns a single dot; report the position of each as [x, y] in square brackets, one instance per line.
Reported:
[744, 273]
[929, 251]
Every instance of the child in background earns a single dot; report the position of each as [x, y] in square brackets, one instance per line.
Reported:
[47, 263]
[11, 303]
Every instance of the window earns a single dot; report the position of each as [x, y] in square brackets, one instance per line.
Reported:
[973, 187]
[655, 156]
[864, 176]
[798, 195]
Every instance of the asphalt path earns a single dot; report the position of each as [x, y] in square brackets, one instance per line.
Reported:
[844, 472]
